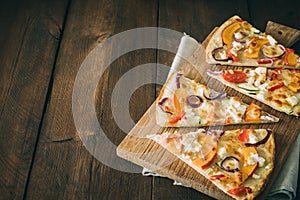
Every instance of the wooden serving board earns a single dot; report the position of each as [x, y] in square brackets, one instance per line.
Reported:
[145, 152]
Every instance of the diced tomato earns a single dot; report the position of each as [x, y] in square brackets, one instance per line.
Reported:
[177, 118]
[276, 73]
[278, 70]
[277, 86]
[235, 77]
[288, 50]
[228, 120]
[239, 20]
[274, 76]
[230, 55]
[217, 176]
[264, 61]
[244, 136]
[295, 70]
[240, 191]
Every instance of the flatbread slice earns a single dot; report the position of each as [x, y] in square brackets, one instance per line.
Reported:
[238, 43]
[183, 102]
[278, 88]
[239, 162]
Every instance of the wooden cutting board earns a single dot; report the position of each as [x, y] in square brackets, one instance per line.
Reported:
[146, 153]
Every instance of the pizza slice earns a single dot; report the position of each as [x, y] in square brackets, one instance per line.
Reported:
[238, 162]
[183, 102]
[238, 43]
[278, 88]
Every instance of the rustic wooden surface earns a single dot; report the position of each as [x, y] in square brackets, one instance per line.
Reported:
[43, 44]
[195, 68]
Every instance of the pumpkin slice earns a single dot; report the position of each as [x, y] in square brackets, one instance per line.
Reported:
[254, 47]
[291, 59]
[204, 163]
[248, 169]
[209, 147]
[176, 103]
[228, 32]
[292, 80]
[253, 112]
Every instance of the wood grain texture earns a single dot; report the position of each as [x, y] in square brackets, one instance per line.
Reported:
[63, 168]
[159, 162]
[198, 19]
[281, 32]
[41, 155]
[282, 12]
[30, 35]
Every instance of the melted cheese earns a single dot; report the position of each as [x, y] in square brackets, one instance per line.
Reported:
[222, 152]
[237, 45]
[234, 109]
[293, 100]
[272, 41]
[238, 35]
[252, 138]
[282, 99]
[190, 141]
[255, 158]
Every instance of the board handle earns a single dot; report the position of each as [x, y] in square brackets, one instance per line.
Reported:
[285, 35]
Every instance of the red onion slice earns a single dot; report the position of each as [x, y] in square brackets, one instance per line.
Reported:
[273, 51]
[194, 101]
[163, 101]
[216, 54]
[263, 141]
[281, 47]
[161, 105]
[242, 40]
[268, 61]
[216, 133]
[178, 76]
[214, 73]
[218, 96]
[228, 159]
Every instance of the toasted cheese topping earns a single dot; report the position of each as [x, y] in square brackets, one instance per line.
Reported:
[255, 158]
[252, 138]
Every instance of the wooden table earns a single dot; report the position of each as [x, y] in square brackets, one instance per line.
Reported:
[43, 44]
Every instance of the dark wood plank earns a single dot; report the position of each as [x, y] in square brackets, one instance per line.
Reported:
[63, 168]
[281, 32]
[198, 19]
[282, 12]
[30, 35]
